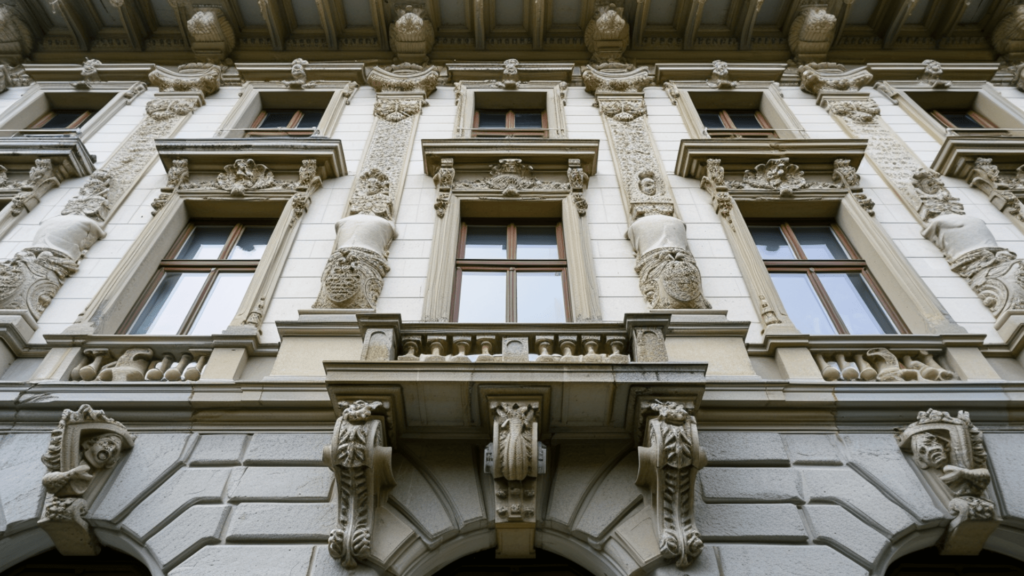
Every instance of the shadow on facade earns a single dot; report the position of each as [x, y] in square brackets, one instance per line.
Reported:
[929, 562]
[484, 563]
[109, 562]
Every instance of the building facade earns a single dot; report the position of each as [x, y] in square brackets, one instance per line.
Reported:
[447, 286]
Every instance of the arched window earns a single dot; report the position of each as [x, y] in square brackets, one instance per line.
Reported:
[107, 563]
[929, 562]
[485, 564]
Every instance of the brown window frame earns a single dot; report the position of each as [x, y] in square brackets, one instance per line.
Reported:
[213, 267]
[510, 265]
[985, 123]
[255, 131]
[510, 130]
[854, 263]
[731, 131]
[38, 124]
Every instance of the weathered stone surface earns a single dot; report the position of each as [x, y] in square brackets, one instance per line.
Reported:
[218, 450]
[188, 486]
[749, 522]
[811, 449]
[294, 449]
[284, 483]
[21, 474]
[786, 561]
[197, 527]
[324, 565]
[744, 449]
[704, 565]
[247, 561]
[578, 464]
[848, 489]
[749, 484]
[1007, 464]
[878, 457]
[417, 498]
[616, 494]
[391, 532]
[836, 527]
[258, 522]
[153, 459]
[639, 535]
[456, 473]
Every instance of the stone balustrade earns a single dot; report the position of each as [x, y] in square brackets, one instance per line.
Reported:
[138, 364]
[581, 348]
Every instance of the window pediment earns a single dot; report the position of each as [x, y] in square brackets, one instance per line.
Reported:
[68, 156]
[958, 155]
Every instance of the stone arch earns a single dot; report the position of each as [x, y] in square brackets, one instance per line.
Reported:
[34, 545]
[485, 559]
[929, 559]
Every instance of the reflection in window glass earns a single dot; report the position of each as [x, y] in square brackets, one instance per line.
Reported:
[277, 118]
[492, 118]
[539, 297]
[856, 304]
[482, 297]
[486, 243]
[252, 243]
[529, 119]
[63, 119]
[170, 303]
[205, 243]
[819, 243]
[536, 243]
[771, 243]
[310, 118]
[960, 119]
[221, 303]
[802, 304]
[712, 120]
[745, 120]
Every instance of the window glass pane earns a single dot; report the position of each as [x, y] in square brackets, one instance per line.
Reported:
[170, 303]
[802, 303]
[857, 305]
[310, 118]
[529, 119]
[62, 119]
[771, 243]
[221, 303]
[482, 297]
[252, 244]
[539, 297]
[277, 118]
[745, 119]
[711, 120]
[486, 243]
[492, 118]
[961, 119]
[536, 243]
[819, 243]
[205, 243]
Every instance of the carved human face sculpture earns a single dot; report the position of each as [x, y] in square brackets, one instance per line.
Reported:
[648, 186]
[357, 412]
[673, 413]
[928, 451]
[102, 451]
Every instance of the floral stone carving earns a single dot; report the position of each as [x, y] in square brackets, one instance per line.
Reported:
[1001, 191]
[951, 453]
[831, 77]
[515, 459]
[361, 461]
[811, 34]
[615, 77]
[607, 34]
[669, 277]
[84, 445]
[669, 462]
[412, 35]
[510, 176]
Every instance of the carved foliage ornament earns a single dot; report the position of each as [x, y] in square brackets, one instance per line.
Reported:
[85, 443]
[669, 462]
[361, 462]
[607, 33]
[811, 34]
[406, 77]
[616, 78]
[412, 35]
[205, 78]
[1002, 191]
[515, 459]
[40, 179]
[831, 77]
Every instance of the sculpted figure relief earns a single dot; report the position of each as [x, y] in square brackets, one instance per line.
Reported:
[515, 458]
[669, 277]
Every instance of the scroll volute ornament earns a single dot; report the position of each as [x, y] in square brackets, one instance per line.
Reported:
[85, 443]
[362, 468]
[515, 461]
[668, 466]
[951, 454]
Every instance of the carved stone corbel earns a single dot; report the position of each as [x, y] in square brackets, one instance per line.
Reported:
[361, 461]
[411, 35]
[607, 33]
[829, 76]
[41, 179]
[204, 78]
[951, 454]
[85, 444]
[444, 179]
[16, 40]
[669, 461]
[1001, 191]
[211, 34]
[811, 34]
[1008, 35]
[578, 181]
[515, 458]
[720, 75]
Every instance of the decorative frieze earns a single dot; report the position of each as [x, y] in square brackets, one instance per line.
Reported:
[515, 458]
[669, 461]
[204, 78]
[950, 451]
[361, 461]
[138, 364]
[811, 34]
[882, 365]
[85, 444]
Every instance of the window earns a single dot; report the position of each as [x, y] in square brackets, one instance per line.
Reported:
[201, 282]
[61, 120]
[961, 119]
[824, 286]
[513, 123]
[736, 124]
[285, 122]
[511, 273]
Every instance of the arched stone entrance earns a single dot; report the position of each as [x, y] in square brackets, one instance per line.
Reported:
[484, 563]
[929, 562]
[108, 562]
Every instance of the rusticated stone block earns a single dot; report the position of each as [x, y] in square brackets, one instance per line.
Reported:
[744, 449]
[284, 484]
[259, 522]
[188, 486]
[247, 561]
[749, 522]
[848, 489]
[786, 561]
[218, 450]
[836, 527]
[197, 527]
[21, 473]
[287, 449]
[153, 459]
[811, 449]
[750, 485]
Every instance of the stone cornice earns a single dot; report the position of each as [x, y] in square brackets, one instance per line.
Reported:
[128, 72]
[812, 155]
[528, 71]
[957, 155]
[692, 72]
[542, 154]
[315, 71]
[69, 157]
[888, 71]
[284, 154]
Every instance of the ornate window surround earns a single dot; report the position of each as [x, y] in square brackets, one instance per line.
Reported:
[511, 163]
[256, 96]
[498, 96]
[980, 96]
[754, 95]
[36, 101]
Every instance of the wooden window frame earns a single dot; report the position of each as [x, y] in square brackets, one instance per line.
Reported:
[38, 124]
[731, 131]
[985, 123]
[811, 267]
[510, 130]
[254, 130]
[213, 268]
[510, 266]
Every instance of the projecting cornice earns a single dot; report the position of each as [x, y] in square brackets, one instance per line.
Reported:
[957, 156]
[738, 155]
[527, 71]
[738, 72]
[68, 156]
[282, 154]
[542, 154]
[314, 71]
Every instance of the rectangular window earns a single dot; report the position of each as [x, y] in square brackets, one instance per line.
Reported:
[736, 124]
[513, 123]
[285, 122]
[825, 287]
[962, 119]
[201, 282]
[61, 120]
[513, 272]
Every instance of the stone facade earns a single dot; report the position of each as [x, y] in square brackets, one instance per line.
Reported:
[341, 421]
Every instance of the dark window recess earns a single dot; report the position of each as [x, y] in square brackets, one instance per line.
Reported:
[736, 124]
[286, 122]
[484, 563]
[108, 562]
[929, 562]
[962, 119]
[61, 120]
[510, 124]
